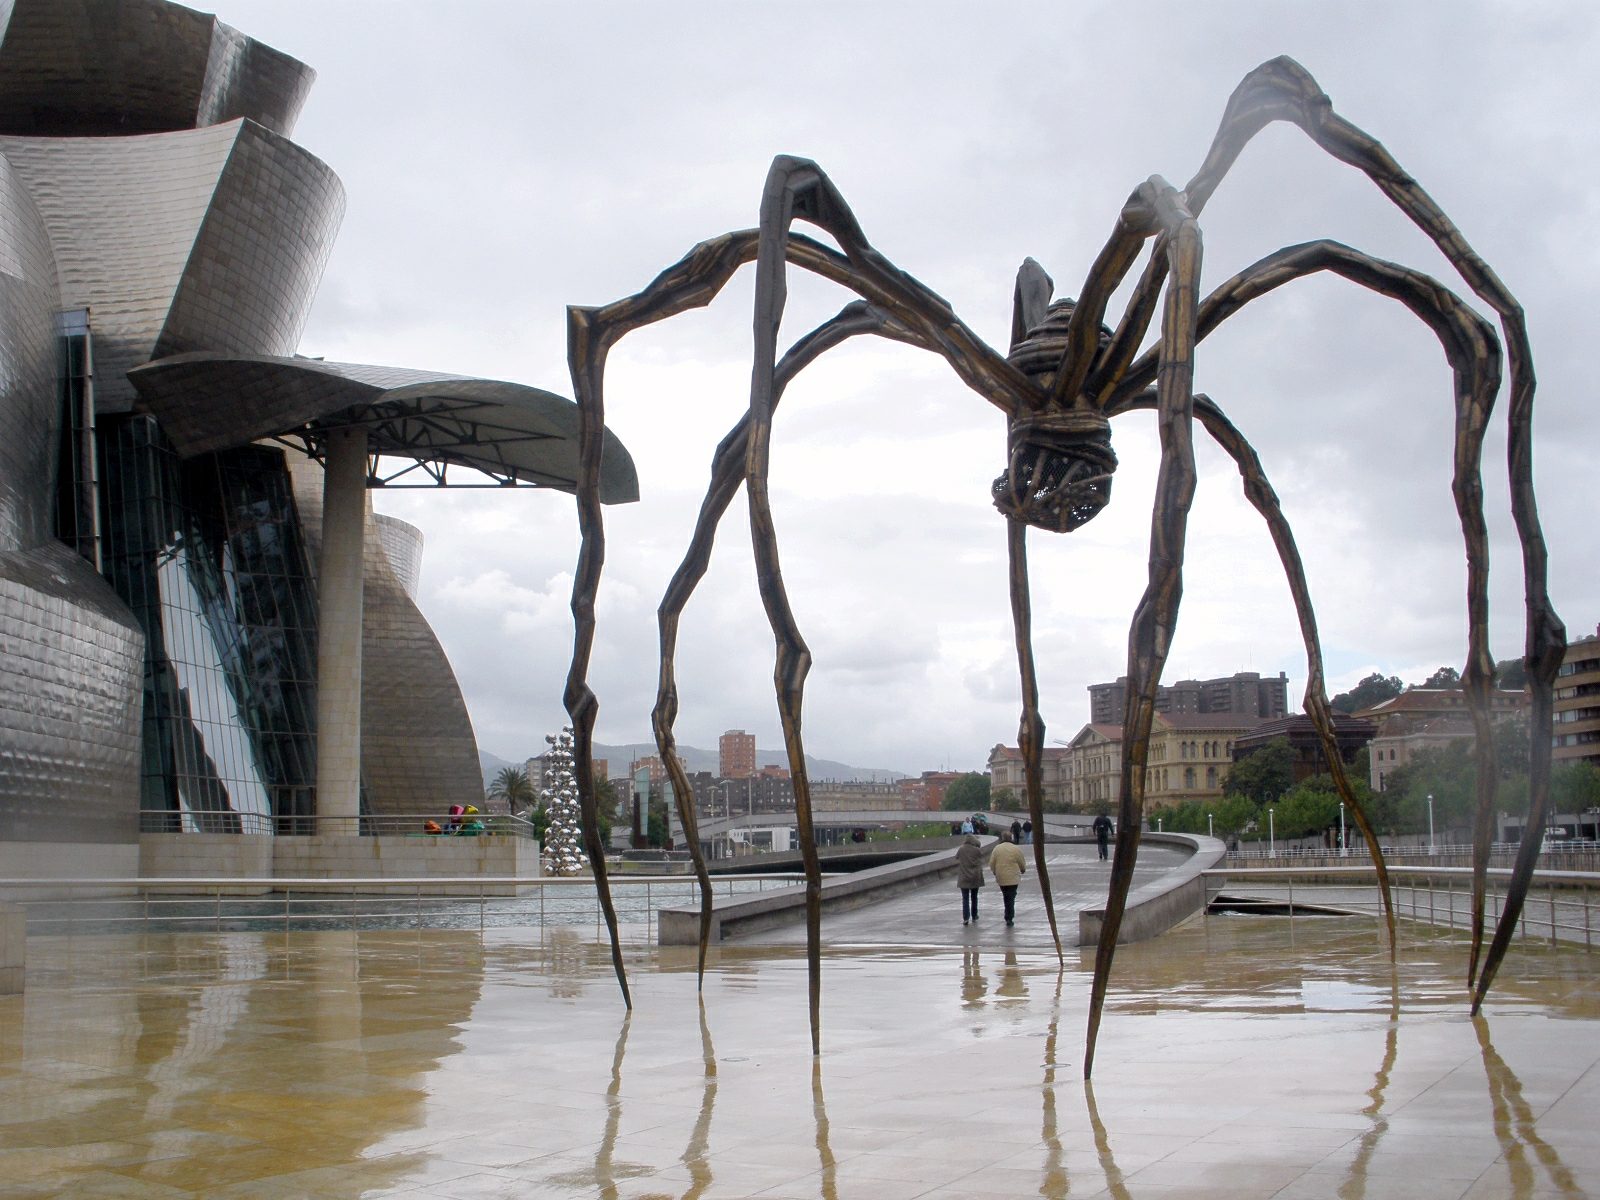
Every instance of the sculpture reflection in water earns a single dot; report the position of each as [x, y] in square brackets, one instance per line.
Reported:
[1516, 1129]
[609, 1172]
[1355, 1184]
[1055, 1181]
[1066, 376]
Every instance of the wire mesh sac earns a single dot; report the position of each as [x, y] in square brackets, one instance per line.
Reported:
[1058, 473]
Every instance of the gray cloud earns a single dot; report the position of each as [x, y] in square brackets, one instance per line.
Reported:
[504, 160]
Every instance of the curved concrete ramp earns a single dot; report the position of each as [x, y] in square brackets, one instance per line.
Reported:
[1168, 888]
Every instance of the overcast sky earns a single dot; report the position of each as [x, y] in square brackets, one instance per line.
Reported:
[503, 160]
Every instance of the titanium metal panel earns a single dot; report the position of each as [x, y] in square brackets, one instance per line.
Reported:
[207, 239]
[92, 68]
[402, 546]
[69, 702]
[28, 393]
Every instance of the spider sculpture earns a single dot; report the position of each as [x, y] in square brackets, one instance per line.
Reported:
[1066, 377]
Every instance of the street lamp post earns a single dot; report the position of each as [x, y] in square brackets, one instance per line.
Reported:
[1272, 833]
[1211, 828]
[1432, 849]
[1344, 844]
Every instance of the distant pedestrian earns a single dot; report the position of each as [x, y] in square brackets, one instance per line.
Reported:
[1009, 866]
[969, 877]
[966, 825]
[1016, 832]
[1027, 833]
[1102, 835]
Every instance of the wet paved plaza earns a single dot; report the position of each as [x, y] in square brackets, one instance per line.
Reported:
[1240, 1057]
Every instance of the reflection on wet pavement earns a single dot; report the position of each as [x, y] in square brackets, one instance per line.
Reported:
[1248, 1057]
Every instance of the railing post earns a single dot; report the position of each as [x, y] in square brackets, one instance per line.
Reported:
[1587, 944]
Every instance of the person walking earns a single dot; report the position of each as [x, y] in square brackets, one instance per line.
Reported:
[1009, 866]
[969, 877]
[1102, 835]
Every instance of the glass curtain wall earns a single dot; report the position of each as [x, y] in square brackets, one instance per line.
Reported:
[208, 554]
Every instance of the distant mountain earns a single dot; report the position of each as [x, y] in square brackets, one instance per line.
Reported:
[695, 759]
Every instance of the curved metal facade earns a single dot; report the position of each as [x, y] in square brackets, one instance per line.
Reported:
[93, 68]
[212, 238]
[158, 610]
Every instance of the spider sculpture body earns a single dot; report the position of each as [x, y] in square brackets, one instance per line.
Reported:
[1067, 376]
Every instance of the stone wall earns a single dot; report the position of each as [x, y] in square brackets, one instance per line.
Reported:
[302, 859]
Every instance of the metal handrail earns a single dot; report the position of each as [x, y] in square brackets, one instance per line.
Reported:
[1561, 906]
[234, 903]
[406, 824]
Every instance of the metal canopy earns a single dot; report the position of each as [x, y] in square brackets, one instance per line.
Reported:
[514, 434]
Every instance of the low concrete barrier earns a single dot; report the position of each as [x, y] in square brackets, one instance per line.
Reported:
[13, 949]
[765, 910]
[301, 861]
[1157, 906]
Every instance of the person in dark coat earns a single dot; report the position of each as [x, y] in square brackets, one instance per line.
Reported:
[1102, 835]
[1016, 832]
[969, 877]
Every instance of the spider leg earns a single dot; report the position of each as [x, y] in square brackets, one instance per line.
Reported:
[797, 189]
[1154, 621]
[1473, 353]
[693, 282]
[1259, 491]
[794, 189]
[1030, 732]
[1283, 90]
[727, 474]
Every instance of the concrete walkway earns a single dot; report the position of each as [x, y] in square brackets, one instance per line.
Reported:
[1240, 1059]
[931, 915]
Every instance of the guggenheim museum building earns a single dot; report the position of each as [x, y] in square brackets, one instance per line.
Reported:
[203, 629]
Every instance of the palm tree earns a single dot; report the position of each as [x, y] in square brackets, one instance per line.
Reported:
[514, 787]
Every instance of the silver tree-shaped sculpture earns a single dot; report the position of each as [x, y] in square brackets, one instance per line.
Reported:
[563, 836]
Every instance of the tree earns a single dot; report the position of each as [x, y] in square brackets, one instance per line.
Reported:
[1232, 813]
[1263, 775]
[1512, 674]
[1374, 689]
[563, 839]
[969, 792]
[1308, 808]
[512, 785]
[606, 805]
[1574, 787]
[1444, 677]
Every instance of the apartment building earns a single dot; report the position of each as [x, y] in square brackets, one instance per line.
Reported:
[1577, 703]
[1424, 718]
[1246, 693]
